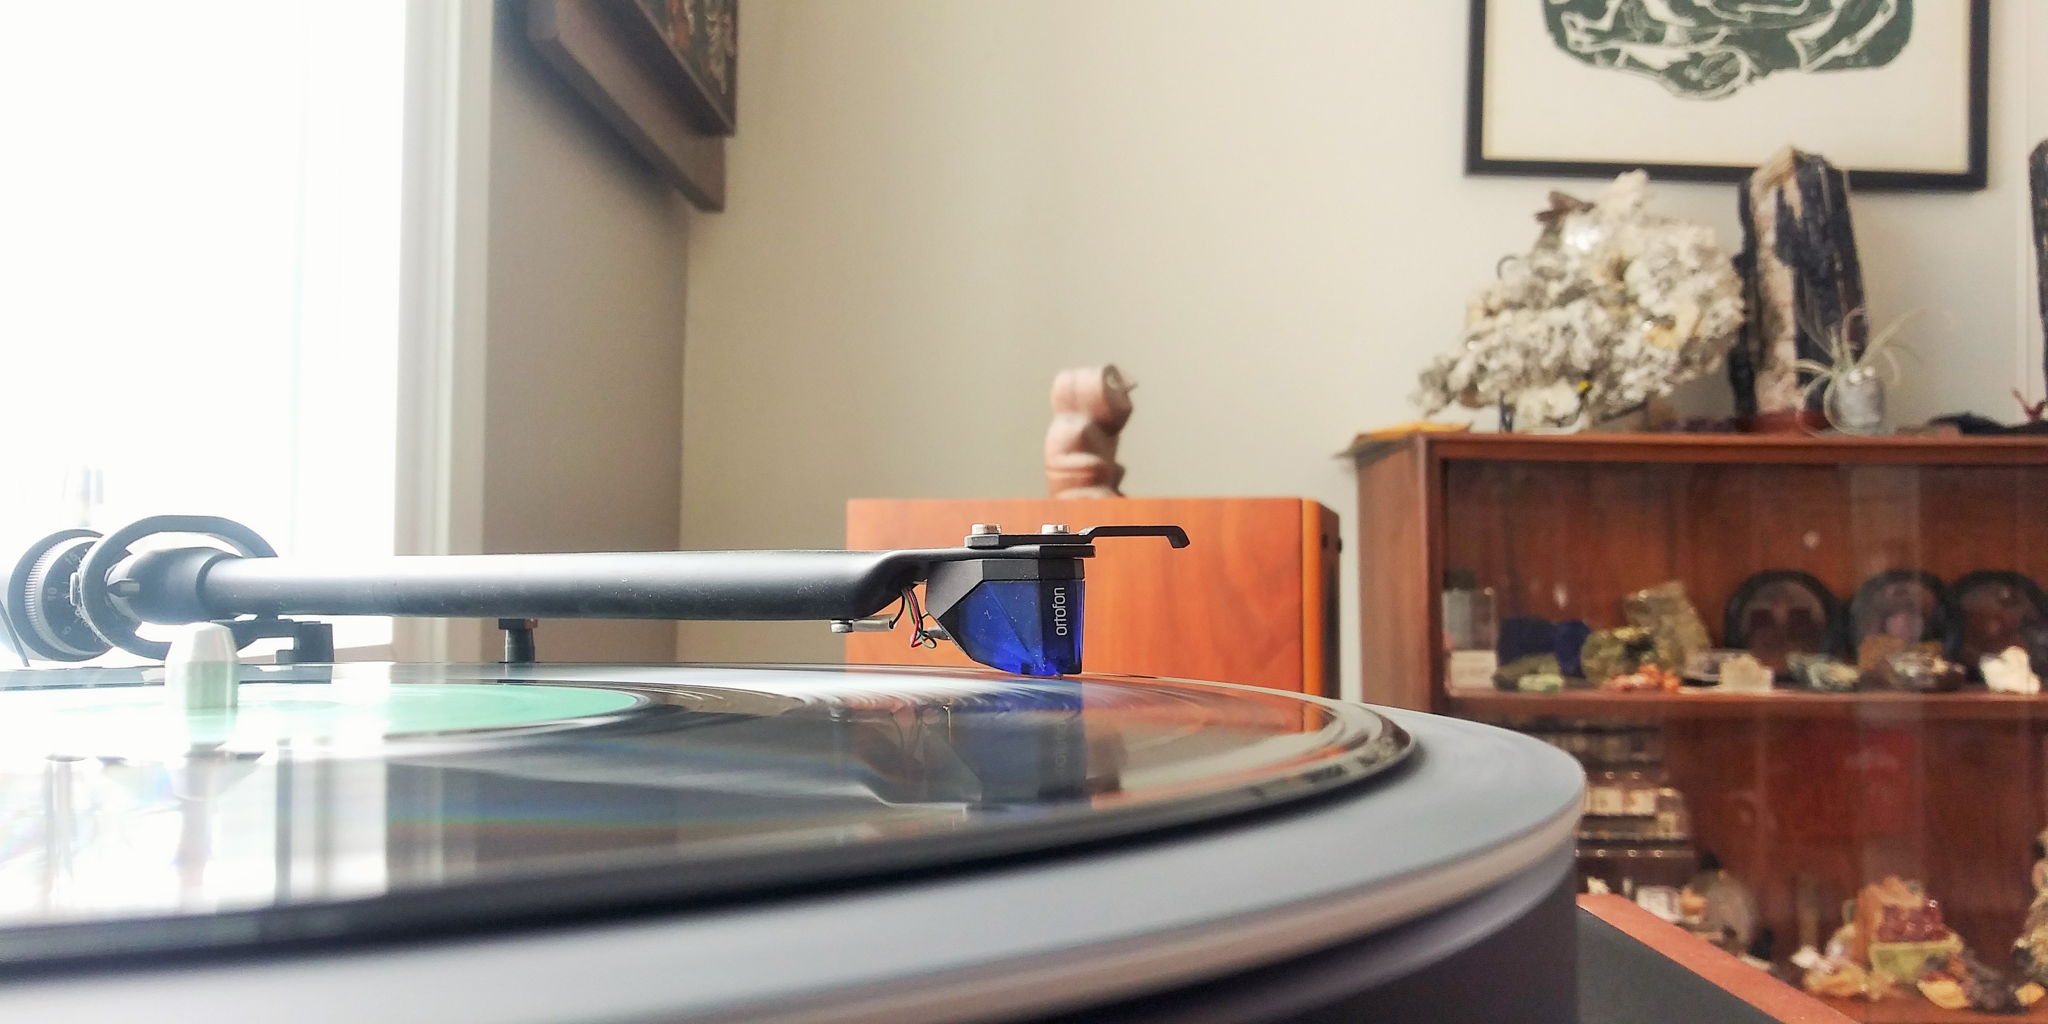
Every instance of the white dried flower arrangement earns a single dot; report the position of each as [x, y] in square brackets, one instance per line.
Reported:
[1611, 308]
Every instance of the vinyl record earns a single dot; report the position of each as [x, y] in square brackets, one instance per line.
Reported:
[368, 802]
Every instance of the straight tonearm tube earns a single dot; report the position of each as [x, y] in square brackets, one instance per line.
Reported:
[1011, 601]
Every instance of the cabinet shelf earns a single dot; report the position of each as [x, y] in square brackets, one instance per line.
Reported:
[1714, 449]
[1876, 707]
[1790, 788]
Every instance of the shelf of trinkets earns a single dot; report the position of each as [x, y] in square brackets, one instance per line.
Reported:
[1969, 703]
[1843, 787]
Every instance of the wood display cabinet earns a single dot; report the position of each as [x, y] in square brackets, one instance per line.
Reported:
[1252, 599]
[1805, 796]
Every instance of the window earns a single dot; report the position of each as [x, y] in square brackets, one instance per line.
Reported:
[199, 269]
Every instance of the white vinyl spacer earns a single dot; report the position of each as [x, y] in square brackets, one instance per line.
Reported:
[203, 671]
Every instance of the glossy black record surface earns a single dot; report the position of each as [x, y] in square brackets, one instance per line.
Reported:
[365, 802]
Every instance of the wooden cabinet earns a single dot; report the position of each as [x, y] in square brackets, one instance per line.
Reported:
[1790, 788]
[1252, 599]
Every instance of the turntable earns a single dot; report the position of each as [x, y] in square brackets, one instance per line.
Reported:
[205, 839]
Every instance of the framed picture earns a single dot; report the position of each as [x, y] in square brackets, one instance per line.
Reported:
[702, 42]
[1910, 604]
[1705, 90]
[1994, 611]
[1781, 612]
[662, 73]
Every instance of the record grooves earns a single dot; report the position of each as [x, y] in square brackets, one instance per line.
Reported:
[715, 786]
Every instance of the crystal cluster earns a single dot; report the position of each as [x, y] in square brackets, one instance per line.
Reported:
[1612, 307]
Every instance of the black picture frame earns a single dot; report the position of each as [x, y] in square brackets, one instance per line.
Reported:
[670, 98]
[1735, 615]
[1964, 644]
[1974, 178]
[1936, 608]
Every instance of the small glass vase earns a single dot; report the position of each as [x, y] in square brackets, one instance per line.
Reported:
[1854, 402]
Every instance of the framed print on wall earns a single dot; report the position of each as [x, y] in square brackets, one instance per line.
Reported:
[1894, 91]
[662, 73]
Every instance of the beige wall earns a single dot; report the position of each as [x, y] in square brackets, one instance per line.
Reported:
[584, 327]
[1257, 210]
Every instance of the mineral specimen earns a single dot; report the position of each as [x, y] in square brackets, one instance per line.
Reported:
[1821, 672]
[1510, 675]
[1875, 648]
[1958, 979]
[1669, 615]
[1801, 276]
[2030, 950]
[1946, 993]
[1609, 653]
[2037, 179]
[1745, 674]
[1612, 307]
[2009, 672]
[1570, 640]
[1647, 679]
[1523, 635]
[1920, 672]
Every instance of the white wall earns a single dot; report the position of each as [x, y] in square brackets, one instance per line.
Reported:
[584, 339]
[1256, 210]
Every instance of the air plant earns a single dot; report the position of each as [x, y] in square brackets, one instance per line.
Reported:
[1865, 372]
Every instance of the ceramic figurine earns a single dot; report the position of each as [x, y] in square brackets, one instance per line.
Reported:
[1089, 409]
[1799, 266]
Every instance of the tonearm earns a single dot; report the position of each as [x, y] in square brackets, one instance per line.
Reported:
[1012, 601]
